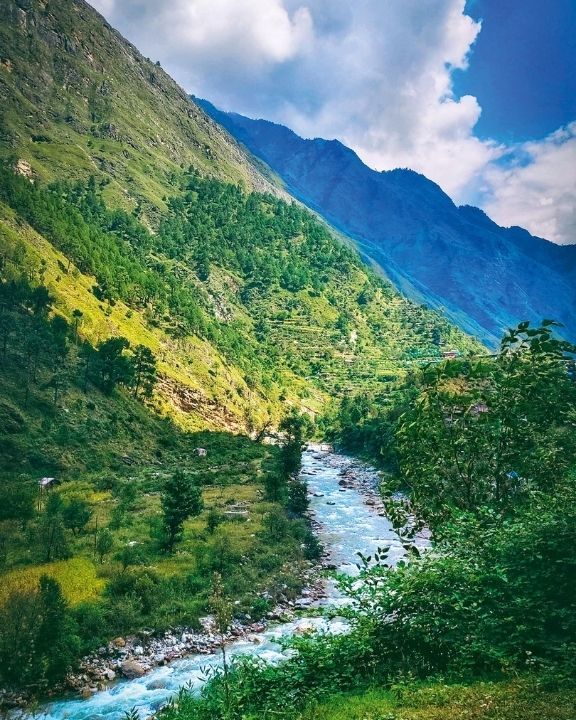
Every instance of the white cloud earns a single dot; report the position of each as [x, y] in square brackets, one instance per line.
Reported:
[537, 187]
[382, 84]
[212, 43]
[376, 74]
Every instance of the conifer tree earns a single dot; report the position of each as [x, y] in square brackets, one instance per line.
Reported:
[181, 499]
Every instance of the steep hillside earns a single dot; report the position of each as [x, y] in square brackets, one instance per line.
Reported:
[247, 302]
[77, 99]
[486, 277]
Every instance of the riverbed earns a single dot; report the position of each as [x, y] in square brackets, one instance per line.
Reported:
[348, 518]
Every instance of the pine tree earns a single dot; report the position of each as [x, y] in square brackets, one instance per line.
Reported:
[181, 499]
[144, 369]
[55, 640]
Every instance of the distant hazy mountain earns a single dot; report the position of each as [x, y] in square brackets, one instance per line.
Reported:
[486, 277]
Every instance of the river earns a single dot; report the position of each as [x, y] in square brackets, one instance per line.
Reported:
[348, 518]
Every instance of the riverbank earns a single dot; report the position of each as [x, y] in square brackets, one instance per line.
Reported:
[347, 517]
[137, 655]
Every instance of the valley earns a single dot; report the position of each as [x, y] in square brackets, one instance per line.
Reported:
[193, 305]
[485, 278]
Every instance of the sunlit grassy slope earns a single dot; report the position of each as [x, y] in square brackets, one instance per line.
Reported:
[77, 99]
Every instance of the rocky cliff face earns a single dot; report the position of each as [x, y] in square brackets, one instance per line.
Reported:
[486, 277]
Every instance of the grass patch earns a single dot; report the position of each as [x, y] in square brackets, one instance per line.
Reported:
[519, 700]
[78, 578]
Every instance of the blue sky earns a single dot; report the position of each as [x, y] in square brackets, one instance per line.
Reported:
[479, 95]
[522, 67]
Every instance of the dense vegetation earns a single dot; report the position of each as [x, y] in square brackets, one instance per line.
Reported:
[108, 554]
[91, 553]
[146, 291]
[485, 452]
[82, 407]
[284, 263]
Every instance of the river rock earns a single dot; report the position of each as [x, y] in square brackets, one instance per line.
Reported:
[108, 674]
[138, 650]
[132, 669]
[304, 628]
[302, 603]
[119, 642]
[160, 658]
[86, 692]
[157, 684]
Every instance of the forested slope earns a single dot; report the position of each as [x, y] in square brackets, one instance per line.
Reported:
[154, 286]
[485, 277]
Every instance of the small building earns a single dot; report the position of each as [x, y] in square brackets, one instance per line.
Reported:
[46, 483]
[201, 452]
[450, 354]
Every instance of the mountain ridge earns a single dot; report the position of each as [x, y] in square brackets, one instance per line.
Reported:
[77, 97]
[418, 237]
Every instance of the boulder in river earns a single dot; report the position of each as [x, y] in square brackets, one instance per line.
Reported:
[157, 684]
[132, 669]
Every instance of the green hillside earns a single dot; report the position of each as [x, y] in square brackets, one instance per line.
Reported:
[158, 294]
[77, 99]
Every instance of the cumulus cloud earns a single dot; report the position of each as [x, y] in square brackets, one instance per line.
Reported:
[212, 44]
[376, 74]
[536, 187]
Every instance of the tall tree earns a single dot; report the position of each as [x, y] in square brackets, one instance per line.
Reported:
[295, 429]
[481, 432]
[110, 364]
[56, 642]
[144, 371]
[181, 499]
[76, 515]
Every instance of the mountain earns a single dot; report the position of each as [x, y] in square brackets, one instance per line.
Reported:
[76, 99]
[162, 302]
[164, 305]
[485, 277]
[147, 220]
